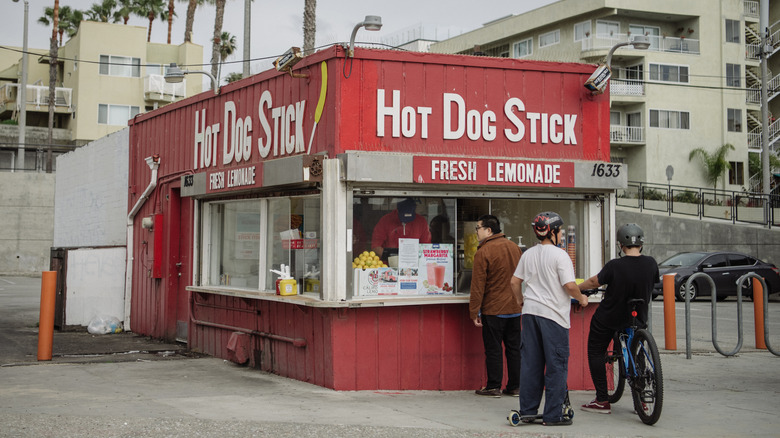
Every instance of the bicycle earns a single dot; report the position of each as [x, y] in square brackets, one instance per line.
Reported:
[634, 358]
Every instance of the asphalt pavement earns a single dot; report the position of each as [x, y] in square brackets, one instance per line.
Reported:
[129, 386]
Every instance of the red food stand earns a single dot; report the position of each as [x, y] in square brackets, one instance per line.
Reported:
[281, 171]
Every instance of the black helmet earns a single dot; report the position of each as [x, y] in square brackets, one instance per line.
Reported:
[547, 224]
[631, 235]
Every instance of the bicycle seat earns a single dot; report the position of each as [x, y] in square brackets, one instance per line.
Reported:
[635, 302]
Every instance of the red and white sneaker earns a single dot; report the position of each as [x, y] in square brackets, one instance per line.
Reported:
[598, 407]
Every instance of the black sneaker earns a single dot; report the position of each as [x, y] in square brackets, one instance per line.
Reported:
[513, 392]
[495, 392]
[563, 422]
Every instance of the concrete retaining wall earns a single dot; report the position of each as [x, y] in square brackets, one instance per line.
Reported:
[667, 235]
[26, 222]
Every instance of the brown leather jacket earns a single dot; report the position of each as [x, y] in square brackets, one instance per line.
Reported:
[494, 264]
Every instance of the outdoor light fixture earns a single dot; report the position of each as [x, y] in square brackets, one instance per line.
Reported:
[174, 75]
[598, 80]
[371, 22]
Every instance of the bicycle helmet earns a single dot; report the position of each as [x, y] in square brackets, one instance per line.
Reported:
[630, 235]
[546, 225]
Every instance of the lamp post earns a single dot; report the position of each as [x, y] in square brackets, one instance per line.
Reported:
[175, 75]
[598, 80]
[371, 22]
[21, 94]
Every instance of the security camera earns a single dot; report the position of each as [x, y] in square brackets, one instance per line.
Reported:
[288, 59]
[597, 82]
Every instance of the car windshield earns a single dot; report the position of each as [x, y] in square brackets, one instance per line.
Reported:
[683, 259]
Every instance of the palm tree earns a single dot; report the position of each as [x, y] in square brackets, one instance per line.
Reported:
[309, 25]
[190, 22]
[234, 76]
[220, 15]
[150, 9]
[227, 45]
[124, 11]
[101, 12]
[715, 164]
[68, 20]
[171, 14]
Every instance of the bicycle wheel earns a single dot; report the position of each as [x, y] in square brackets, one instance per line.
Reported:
[616, 374]
[647, 387]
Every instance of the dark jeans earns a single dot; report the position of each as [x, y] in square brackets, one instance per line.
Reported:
[598, 342]
[496, 331]
[544, 367]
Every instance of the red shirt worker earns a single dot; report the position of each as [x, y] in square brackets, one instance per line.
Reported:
[401, 223]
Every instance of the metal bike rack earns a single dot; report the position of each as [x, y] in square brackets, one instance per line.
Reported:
[714, 317]
[741, 280]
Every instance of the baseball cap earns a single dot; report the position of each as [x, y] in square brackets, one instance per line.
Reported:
[406, 210]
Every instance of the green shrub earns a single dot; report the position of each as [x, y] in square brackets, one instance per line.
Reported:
[687, 196]
[9, 122]
[654, 195]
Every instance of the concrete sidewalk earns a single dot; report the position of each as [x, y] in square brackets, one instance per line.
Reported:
[94, 388]
[709, 395]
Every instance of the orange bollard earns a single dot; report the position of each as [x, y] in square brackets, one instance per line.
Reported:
[758, 310]
[46, 320]
[670, 323]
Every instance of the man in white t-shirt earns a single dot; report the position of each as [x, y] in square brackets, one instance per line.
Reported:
[549, 280]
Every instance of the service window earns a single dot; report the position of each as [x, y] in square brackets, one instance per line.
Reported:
[243, 240]
[404, 245]
[233, 249]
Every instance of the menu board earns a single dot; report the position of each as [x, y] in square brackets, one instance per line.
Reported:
[423, 269]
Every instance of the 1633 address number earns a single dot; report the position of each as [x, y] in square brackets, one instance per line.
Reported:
[610, 170]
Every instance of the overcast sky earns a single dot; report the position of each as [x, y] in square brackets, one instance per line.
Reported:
[277, 25]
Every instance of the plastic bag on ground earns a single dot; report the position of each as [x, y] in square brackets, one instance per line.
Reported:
[103, 325]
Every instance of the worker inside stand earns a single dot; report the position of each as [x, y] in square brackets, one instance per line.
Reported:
[401, 223]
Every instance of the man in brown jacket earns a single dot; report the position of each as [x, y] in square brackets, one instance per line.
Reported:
[495, 307]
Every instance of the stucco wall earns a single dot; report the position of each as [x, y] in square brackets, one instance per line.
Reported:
[26, 222]
[90, 202]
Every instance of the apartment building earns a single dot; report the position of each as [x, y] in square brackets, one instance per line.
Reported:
[106, 74]
[696, 86]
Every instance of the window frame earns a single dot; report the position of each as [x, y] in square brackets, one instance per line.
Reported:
[608, 24]
[530, 44]
[579, 28]
[659, 67]
[732, 31]
[736, 173]
[110, 106]
[734, 119]
[112, 65]
[733, 75]
[683, 119]
[555, 33]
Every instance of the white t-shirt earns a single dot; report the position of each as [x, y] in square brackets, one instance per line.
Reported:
[545, 269]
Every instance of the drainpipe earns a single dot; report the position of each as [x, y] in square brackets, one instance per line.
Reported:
[153, 162]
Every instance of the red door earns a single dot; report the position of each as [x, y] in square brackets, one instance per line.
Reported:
[179, 255]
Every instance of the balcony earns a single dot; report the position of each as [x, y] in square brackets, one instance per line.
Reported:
[155, 88]
[754, 136]
[626, 135]
[626, 87]
[37, 97]
[657, 44]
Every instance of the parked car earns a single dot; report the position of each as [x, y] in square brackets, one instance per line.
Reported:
[725, 268]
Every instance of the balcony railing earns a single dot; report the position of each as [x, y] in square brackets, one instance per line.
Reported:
[754, 93]
[626, 134]
[155, 88]
[626, 87]
[657, 43]
[754, 136]
[727, 205]
[751, 8]
[38, 95]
